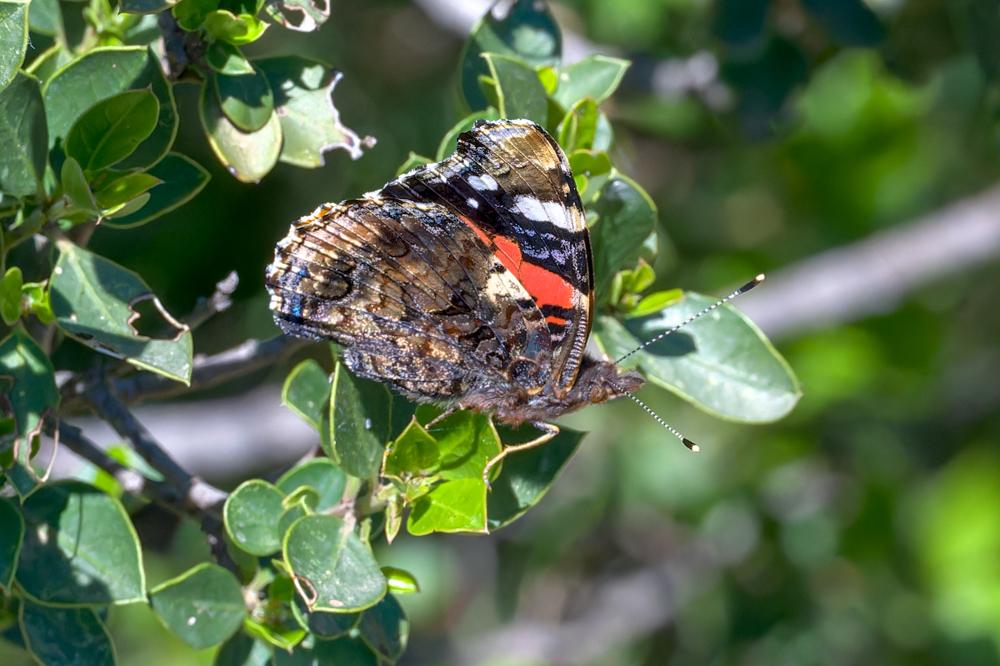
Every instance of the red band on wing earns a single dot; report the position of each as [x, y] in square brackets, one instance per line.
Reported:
[546, 287]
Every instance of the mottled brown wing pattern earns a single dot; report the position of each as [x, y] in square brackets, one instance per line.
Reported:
[511, 182]
[415, 297]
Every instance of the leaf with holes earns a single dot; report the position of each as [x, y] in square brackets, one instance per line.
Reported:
[94, 301]
[310, 123]
[29, 383]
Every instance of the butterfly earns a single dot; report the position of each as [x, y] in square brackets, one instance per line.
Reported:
[467, 282]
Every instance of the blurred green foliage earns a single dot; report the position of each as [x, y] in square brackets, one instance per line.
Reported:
[863, 529]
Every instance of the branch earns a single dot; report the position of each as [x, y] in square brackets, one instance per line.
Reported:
[220, 301]
[108, 407]
[874, 274]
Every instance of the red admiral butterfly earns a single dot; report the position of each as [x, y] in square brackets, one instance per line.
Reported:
[467, 282]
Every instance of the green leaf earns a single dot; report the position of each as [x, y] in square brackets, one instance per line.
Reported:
[595, 77]
[102, 73]
[319, 474]
[23, 137]
[145, 6]
[307, 391]
[45, 18]
[248, 156]
[578, 128]
[190, 14]
[11, 537]
[10, 295]
[326, 626]
[721, 363]
[335, 569]
[236, 29]
[129, 207]
[112, 129]
[359, 423]
[251, 516]
[241, 650]
[384, 628]
[65, 636]
[35, 299]
[452, 506]
[300, 15]
[28, 378]
[227, 59]
[626, 216]
[467, 441]
[414, 453]
[520, 94]
[245, 98]
[527, 30]
[280, 635]
[13, 39]
[527, 475]
[94, 301]
[124, 189]
[75, 186]
[49, 62]
[400, 581]
[79, 548]
[310, 123]
[181, 178]
[344, 651]
[450, 140]
[203, 606]
[656, 301]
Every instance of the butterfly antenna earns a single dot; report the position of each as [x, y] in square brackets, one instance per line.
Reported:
[656, 417]
[742, 290]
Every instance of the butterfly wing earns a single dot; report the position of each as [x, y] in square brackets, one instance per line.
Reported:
[510, 182]
[414, 296]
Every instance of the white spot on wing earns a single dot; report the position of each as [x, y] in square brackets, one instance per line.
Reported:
[483, 182]
[547, 211]
[472, 202]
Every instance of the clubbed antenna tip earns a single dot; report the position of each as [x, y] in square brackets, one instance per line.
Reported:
[692, 447]
[751, 284]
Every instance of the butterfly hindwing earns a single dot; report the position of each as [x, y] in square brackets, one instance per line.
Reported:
[511, 184]
[412, 293]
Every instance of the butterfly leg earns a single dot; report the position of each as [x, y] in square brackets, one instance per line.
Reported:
[548, 432]
[440, 417]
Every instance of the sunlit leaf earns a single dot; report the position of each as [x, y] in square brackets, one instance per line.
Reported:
[79, 548]
[124, 189]
[245, 98]
[336, 570]
[595, 77]
[248, 156]
[10, 295]
[146, 6]
[203, 606]
[359, 423]
[13, 38]
[28, 379]
[112, 129]
[307, 391]
[251, 515]
[104, 72]
[181, 178]
[722, 363]
[237, 29]
[519, 92]
[301, 15]
[310, 123]
[94, 301]
[452, 506]
[23, 137]
[526, 29]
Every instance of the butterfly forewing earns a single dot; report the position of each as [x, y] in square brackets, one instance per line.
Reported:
[510, 183]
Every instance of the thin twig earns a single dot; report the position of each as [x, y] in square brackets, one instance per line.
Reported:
[108, 407]
[220, 301]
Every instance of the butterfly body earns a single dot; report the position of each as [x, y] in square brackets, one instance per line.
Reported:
[467, 282]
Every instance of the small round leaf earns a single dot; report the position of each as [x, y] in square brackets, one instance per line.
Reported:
[204, 606]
